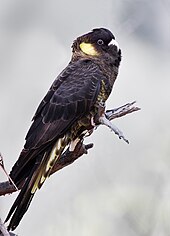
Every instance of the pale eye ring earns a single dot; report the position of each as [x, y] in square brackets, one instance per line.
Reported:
[100, 42]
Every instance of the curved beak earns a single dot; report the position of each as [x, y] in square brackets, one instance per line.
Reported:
[115, 43]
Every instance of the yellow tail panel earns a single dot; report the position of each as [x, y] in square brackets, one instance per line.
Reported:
[49, 161]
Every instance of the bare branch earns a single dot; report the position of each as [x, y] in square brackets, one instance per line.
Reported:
[68, 157]
[6, 188]
[3, 230]
[121, 111]
[3, 168]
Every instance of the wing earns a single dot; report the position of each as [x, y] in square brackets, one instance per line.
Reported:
[71, 96]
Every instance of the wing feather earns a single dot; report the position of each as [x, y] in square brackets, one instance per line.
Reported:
[65, 102]
[71, 96]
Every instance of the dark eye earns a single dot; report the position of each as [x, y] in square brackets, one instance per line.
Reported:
[100, 42]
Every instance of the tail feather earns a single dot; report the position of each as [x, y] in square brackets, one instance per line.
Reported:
[39, 173]
[23, 200]
[21, 169]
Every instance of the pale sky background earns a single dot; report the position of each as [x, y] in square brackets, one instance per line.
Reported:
[117, 189]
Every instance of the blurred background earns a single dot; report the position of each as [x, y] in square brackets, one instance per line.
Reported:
[117, 189]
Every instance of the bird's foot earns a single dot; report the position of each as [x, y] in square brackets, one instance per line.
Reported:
[104, 121]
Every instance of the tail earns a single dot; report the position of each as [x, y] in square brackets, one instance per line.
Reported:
[35, 180]
[22, 202]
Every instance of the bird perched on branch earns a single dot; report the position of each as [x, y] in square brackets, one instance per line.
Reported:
[73, 106]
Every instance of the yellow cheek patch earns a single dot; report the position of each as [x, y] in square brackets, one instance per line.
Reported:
[88, 49]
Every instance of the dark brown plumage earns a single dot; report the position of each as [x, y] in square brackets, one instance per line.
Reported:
[65, 113]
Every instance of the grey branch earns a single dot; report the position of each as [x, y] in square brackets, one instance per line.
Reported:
[69, 157]
[3, 230]
[4, 170]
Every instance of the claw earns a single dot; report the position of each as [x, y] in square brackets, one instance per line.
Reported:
[104, 121]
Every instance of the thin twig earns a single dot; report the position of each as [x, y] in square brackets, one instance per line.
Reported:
[121, 111]
[3, 168]
[3, 230]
